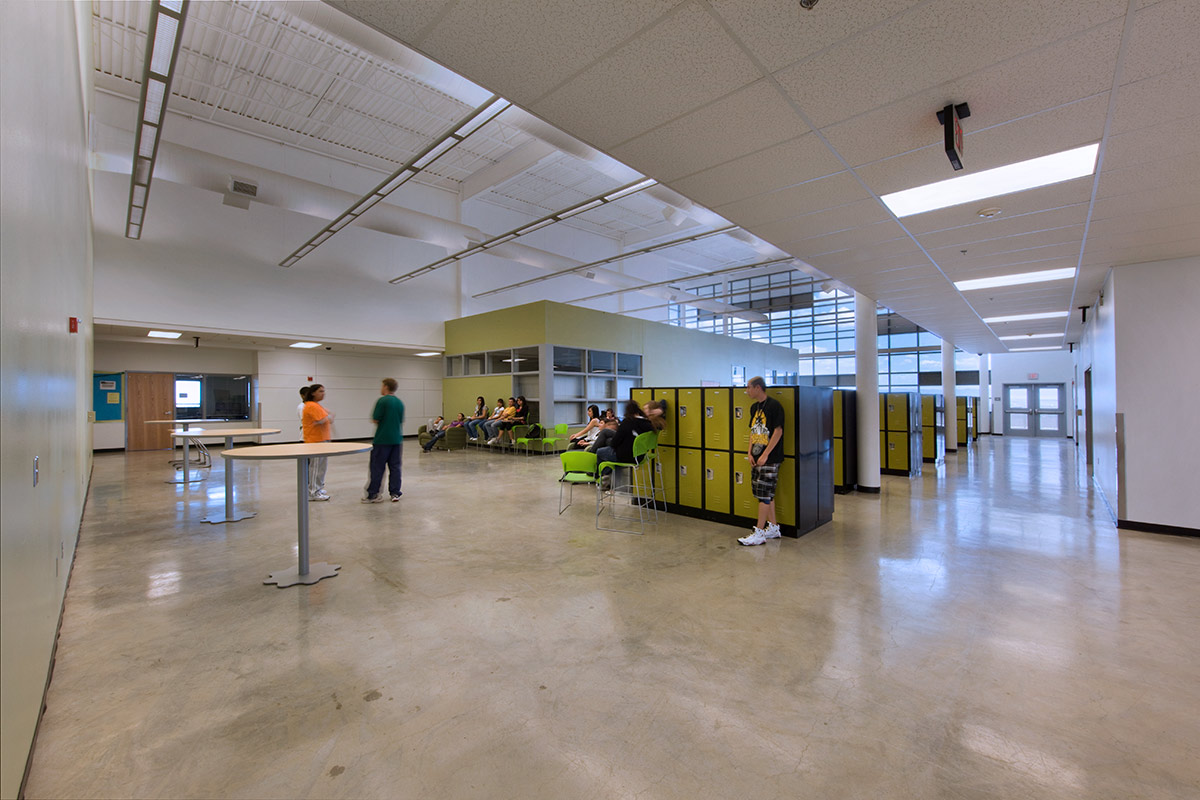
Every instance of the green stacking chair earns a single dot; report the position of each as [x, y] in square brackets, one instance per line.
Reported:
[644, 452]
[579, 466]
[561, 430]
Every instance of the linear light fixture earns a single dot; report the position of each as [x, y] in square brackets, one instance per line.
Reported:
[305, 345]
[657, 284]
[583, 268]
[1016, 279]
[164, 335]
[1025, 317]
[549, 219]
[1018, 177]
[162, 51]
[1025, 336]
[480, 116]
[1031, 349]
[427, 355]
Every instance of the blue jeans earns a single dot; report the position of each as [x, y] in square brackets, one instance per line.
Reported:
[435, 436]
[473, 426]
[385, 455]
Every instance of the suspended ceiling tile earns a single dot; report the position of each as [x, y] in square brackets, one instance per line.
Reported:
[1148, 200]
[1163, 38]
[779, 32]
[745, 121]
[1047, 198]
[1148, 237]
[928, 45]
[1163, 99]
[1157, 251]
[792, 162]
[402, 19]
[670, 69]
[1030, 137]
[853, 215]
[1161, 175]
[1031, 259]
[835, 190]
[999, 228]
[1014, 245]
[1169, 140]
[1082, 66]
[874, 233]
[1146, 220]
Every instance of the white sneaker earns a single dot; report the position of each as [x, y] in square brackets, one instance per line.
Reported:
[318, 498]
[758, 537]
[376, 499]
[493, 440]
[772, 531]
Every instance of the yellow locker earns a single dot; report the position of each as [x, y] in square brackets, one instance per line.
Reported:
[691, 412]
[897, 412]
[745, 504]
[642, 396]
[785, 493]
[897, 451]
[716, 419]
[716, 481]
[928, 442]
[741, 420]
[837, 413]
[962, 431]
[839, 464]
[883, 412]
[667, 435]
[928, 413]
[691, 477]
[667, 468]
[883, 450]
[786, 395]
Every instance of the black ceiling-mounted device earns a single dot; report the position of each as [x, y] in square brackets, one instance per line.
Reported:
[952, 131]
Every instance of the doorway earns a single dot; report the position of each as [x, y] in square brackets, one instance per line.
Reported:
[1035, 409]
[1087, 417]
[150, 395]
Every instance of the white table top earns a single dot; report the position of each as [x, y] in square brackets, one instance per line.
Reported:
[203, 433]
[180, 421]
[297, 450]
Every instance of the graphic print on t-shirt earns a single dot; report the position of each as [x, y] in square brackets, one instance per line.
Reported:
[760, 434]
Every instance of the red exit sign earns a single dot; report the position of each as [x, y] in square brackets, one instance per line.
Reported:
[1033, 376]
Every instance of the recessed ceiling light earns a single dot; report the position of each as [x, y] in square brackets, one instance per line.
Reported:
[988, 213]
[305, 345]
[1018, 177]
[1024, 317]
[1016, 279]
[164, 334]
[427, 355]
[1030, 349]
[1031, 336]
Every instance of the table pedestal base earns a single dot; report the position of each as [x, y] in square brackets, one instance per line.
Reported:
[217, 519]
[290, 577]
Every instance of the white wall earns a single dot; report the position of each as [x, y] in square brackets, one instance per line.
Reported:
[1098, 352]
[45, 372]
[675, 356]
[351, 385]
[1158, 385]
[1050, 366]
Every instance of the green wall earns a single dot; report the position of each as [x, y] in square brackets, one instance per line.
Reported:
[458, 394]
[518, 326]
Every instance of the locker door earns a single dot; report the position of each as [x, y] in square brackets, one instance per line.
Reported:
[785, 493]
[740, 421]
[927, 411]
[691, 477]
[667, 435]
[668, 472]
[716, 419]
[716, 481]
[897, 451]
[839, 463]
[786, 395]
[897, 412]
[691, 412]
[641, 395]
[745, 504]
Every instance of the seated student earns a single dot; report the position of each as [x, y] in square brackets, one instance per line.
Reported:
[581, 440]
[459, 422]
[489, 426]
[620, 448]
[516, 414]
[608, 429]
[477, 418]
[436, 430]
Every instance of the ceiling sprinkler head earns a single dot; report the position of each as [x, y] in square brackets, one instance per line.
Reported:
[808, 4]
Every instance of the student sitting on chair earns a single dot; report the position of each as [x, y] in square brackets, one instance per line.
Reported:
[585, 437]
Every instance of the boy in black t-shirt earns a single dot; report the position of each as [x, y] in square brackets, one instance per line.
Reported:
[765, 455]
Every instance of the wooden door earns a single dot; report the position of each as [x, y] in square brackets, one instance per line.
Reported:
[149, 395]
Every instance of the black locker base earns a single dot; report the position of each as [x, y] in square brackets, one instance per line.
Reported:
[790, 531]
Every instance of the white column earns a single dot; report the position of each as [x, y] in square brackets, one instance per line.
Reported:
[985, 394]
[866, 385]
[949, 396]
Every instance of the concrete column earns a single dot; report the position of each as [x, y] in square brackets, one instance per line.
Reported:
[866, 385]
[985, 394]
[949, 396]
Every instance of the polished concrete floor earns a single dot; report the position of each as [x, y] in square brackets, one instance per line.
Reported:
[982, 631]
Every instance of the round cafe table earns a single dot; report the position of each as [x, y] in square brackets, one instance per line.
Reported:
[184, 424]
[302, 452]
[228, 433]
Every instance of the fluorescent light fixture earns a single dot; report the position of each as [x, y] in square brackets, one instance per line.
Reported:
[487, 115]
[427, 355]
[1030, 336]
[164, 44]
[341, 223]
[1025, 317]
[435, 153]
[135, 215]
[139, 196]
[1031, 349]
[585, 207]
[156, 90]
[305, 345]
[396, 182]
[319, 239]
[141, 171]
[535, 226]
[1018, 177]
[174, 5]
[366, 203]
[164, 335]
[1016, 280]
[501, 240]
[628, 190]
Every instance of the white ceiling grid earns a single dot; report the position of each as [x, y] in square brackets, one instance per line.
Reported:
[718, 99]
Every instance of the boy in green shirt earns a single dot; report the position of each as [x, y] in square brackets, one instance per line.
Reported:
[387, 444]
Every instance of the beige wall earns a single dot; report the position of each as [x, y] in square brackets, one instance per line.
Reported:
[45, 377]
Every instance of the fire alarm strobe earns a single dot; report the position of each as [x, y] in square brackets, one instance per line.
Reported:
[952, 131]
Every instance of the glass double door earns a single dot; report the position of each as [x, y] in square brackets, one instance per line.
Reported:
[1035, 409]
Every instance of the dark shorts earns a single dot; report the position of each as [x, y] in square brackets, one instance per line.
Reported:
[763, 480]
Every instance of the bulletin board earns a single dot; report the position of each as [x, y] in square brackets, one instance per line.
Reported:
[108, 394]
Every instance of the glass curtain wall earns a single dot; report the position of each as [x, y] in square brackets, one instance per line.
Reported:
[818, 323]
